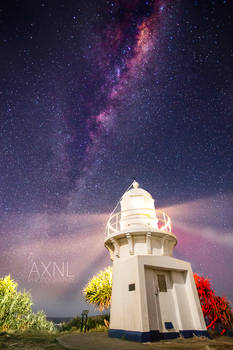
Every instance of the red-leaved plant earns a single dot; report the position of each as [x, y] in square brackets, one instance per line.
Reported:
[216, 310]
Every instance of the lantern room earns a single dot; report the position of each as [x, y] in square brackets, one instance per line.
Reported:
[136, 227]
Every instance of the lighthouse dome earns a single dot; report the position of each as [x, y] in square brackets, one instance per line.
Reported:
[137, 209]
[137, 192]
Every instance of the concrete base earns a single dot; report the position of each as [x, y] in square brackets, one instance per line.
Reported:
[143, 310]
[152, 336]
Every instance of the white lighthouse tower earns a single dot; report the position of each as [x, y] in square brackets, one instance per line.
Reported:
[154, 295]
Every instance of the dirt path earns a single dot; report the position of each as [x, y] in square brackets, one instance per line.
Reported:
[101, 341]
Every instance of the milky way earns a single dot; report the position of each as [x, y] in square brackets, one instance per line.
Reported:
[94, 94]
[124, 49]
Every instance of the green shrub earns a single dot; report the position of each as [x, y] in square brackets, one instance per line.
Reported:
[97, 322]
[16, 309]
[75, 322]
[99, 289]
[93, 323]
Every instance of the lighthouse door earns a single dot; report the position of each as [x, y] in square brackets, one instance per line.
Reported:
[165, 299]
[152, 301]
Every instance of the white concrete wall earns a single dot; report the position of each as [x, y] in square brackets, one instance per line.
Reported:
[160, 245]
[139, 245]
[135, 310]
[156, 244]
[194, 302]
[126, 310]
[182, 299]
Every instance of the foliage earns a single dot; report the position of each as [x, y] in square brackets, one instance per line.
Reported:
[16, 309]
[216, 310]
[99, 289]
[93, 322]
[74, 323]
[97, 322]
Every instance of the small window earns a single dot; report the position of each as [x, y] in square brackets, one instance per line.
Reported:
[131, 287]
[162, 283]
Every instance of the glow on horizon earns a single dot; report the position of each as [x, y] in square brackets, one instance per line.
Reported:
[79, 239]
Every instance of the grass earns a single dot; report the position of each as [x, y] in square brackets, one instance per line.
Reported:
[40, 340]
[36, 340]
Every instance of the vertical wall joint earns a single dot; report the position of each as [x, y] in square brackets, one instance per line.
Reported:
[130, 243]
[116, 247]
[148, 243]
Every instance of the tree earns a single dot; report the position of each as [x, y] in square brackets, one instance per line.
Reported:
[16, 309]
[216, 310]
[99, 289]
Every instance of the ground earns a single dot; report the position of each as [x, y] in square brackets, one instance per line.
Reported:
[100, 341]
[29, 341]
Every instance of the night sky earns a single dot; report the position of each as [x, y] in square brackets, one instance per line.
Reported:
[92, 95]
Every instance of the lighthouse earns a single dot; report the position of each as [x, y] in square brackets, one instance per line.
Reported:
[154, 295]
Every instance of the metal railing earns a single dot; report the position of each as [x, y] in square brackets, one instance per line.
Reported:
[162, 219]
